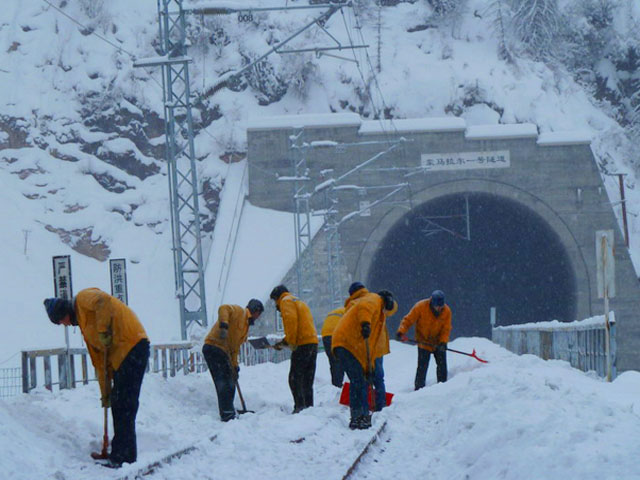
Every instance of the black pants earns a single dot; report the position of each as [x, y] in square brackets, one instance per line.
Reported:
[223, 378]
[337, 372]
[423, 363]
[127, 381]
[302, 374]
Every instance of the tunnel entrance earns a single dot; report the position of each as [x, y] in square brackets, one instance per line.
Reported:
[512, 261]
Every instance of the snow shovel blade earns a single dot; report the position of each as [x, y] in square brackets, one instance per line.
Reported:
[473, 354]
[100, 456]
[240, 412]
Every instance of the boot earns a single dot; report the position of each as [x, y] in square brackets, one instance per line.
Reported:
[361, 423]
[366, 420]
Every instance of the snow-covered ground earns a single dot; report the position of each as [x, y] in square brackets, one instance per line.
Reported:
[517, 417]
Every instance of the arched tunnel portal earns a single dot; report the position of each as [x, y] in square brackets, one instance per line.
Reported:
[507, 257]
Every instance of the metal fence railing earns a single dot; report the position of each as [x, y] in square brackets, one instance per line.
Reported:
[10, 381]
[49, 367]
[581, 343]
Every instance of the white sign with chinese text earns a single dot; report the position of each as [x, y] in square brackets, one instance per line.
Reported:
[605, 264]
[465, 160]
[62, 287]
[118, 269]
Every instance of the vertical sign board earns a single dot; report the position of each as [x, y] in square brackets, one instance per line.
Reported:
[118, 270]
[62, 277]
[63, 288]
[605, 272]
[606, 283]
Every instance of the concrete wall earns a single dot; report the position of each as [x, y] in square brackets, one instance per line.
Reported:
[558, 180]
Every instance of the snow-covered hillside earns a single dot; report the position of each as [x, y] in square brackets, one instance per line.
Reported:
[81, 132]
[515, 418]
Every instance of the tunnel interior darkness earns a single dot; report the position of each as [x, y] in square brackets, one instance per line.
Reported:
[513, 261]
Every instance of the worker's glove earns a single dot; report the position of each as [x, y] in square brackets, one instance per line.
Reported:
[365, 330]
[441, 347]
[106, 401]
[401, 337]
[106, 338]
[280, 345]
[224, 331]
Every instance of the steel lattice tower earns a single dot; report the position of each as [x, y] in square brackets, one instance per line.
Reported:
[183, 179]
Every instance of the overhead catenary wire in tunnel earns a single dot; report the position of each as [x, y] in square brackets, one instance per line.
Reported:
[515, 262]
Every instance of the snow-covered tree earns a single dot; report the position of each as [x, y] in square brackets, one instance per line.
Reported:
[535, 24]
[443, 7]
[500, 14]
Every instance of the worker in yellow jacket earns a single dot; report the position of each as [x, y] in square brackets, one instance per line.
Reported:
[356, 342]
[433, 327]
[329, 325]
[382, 349]
[300, 335]
[221, 348]
[110, 327]
[356, 291]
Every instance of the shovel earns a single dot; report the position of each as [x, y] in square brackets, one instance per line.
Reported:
[472, 354]
[244, 406]
[103, 455]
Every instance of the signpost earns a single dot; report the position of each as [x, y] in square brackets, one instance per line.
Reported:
[118, 273]
[62, 288]
[606, 282]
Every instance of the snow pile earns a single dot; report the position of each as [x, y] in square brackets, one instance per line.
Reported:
[513, 418]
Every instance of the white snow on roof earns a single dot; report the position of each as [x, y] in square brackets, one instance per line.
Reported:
[557, 325]
[434, 124]
[577, 137]
[314, 120]
[516, 130]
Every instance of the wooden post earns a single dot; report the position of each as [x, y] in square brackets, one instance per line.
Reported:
[164, 362]
[32, 373]
[47, 373]
[156, 366]
[25, 372]
[62, 372]
[624, 208]
[185, 361]
[172, 362]
[85, 370]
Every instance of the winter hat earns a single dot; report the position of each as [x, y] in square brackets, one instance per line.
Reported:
[57, 308]
[387, 299]
[437, 298]
[277, 292]
[255, 306]
[355, 286]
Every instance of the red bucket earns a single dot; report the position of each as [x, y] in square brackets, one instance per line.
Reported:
[344, 396]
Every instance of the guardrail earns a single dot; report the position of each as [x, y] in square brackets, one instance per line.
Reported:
[581, 343]
[167, 359]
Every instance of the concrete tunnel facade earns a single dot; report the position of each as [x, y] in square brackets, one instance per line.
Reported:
[535, 202]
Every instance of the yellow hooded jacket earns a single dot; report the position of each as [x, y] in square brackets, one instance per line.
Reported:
[430, 330]
[299, 328]
[383, 342]
[98, 312]
[353, 298]
[348, 333]
[237, 318]
[329, 325]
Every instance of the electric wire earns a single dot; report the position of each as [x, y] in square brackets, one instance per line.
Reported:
[104, 39]
[374, 76]
[366, 85]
